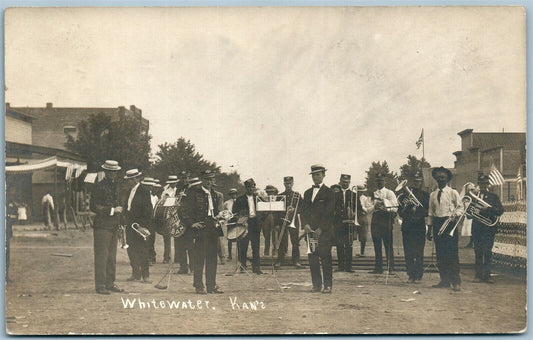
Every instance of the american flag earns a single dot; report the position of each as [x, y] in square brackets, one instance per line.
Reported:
[519, 184]
[495, 177]
[420, 140]
[519, 176]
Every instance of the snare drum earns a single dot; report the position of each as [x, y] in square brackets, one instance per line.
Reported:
[238, 229]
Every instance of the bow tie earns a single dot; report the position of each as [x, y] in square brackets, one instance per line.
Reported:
[316, 186]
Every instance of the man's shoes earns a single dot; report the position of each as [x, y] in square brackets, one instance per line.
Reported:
[222, 261]
[215, 290]
[316, 290]
[200, 291]
[456, 287]
[327, 290]
[441, 285]
[376, 272]
[488, 281]
[298, 265]
[102, 291]
[115, 288]
[477, 280]
[258, 272]
[147, 280]
[133, 278]
[166, 261]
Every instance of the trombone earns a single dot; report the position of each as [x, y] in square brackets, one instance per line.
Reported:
[286, 219]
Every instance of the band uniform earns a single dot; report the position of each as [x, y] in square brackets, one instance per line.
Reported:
[290, 196]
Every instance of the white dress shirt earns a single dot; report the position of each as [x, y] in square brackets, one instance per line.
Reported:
[315, 191]
[251, 205]
[389, 199]
[210, 200]
[450, 202]
[132, 194]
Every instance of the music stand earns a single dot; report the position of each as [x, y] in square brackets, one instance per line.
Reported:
[432, 264]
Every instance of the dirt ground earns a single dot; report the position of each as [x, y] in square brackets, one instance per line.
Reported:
[53, 293]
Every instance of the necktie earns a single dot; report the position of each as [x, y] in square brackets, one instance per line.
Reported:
[316, 186]
[438, 195]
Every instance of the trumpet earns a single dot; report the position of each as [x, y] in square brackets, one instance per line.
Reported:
[142, 231]
[312, 242]
[122, 237]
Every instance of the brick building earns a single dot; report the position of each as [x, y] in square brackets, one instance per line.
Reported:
[479, 150]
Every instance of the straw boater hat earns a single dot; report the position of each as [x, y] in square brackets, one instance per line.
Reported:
[194, 181]
[441, 169]
[232, 191]
[317, 168]
[132, 173]
[111, 165]
[361, 188]
[172, 179]
[147, 181]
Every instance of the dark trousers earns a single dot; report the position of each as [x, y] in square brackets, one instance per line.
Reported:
[253, 237]
[167, 247]
[483, 242]
[381, 230]
[151, 245]
[205, 255]
[344, 246]
[413, 248]
[105, 255]
[447, 250]
[183, 251]
[138, 254]
[322, 254]
[230, 249]
[284, 244]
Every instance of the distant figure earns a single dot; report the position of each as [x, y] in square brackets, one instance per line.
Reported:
[11, 217]
[48, 209]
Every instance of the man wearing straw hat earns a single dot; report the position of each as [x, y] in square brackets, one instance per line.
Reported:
[104, 202]
[317, 218]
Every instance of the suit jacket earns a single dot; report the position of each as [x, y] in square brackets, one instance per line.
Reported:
[241, 207]
[104, 197]
[141, 210]
[319, 213]
[195, 205]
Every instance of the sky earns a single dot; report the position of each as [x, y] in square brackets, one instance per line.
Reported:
[270, 91]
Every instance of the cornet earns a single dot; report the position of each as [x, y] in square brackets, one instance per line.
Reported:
[142, 231]
[122, 236]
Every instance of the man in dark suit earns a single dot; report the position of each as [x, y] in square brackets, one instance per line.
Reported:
[138, 210]
[317, 218]
[104, 202]
[482, 234]
[200, 207]
[245, 205]
[344, 215]
[414, 228]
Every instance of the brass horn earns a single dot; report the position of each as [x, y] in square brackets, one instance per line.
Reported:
[142, 231]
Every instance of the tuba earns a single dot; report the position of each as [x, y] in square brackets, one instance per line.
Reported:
[142, 231]
[406, 198]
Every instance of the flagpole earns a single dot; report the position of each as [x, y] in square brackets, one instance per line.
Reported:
[423, 145]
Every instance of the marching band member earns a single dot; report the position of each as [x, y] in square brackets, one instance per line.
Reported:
[269, 222]
[184, 245]
[414, 230]
[169, 190]
[345, 200]
[228, 205]
[443, 203]
[385, 207]
[104, 202]
[484, 235]
[138, 210]
[220, 248]
[200, 207]
[155, 191]
[289, 194]
[245, 205]
[317, 218]
[362, 217]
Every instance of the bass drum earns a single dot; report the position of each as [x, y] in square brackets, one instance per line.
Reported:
[238, 229]
[167, 219]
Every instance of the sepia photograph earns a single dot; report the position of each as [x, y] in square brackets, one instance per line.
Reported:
[341, 170]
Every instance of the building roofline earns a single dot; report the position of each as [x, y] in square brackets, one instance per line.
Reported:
[18, 114]
[465, 132]
[43, 150]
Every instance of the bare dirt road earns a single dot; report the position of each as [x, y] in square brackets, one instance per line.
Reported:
[53, 293]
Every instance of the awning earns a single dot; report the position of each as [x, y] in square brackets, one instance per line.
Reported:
[47, 163]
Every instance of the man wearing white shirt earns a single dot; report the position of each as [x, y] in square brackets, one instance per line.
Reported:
[385, 207]
[228, 205]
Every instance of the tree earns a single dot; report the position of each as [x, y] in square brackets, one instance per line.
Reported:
[413, 165]
[391, 178]
[182, 155]
[99, 138]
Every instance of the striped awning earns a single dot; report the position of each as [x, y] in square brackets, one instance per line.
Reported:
[48, 163]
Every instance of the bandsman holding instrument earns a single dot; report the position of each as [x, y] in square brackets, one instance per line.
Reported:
[245, 206]
[385, 207]
[200, 207]
[169, 190]
[362, 217]
[270, 225]
[138, 219]
[346, 208]
[183, 245]
[444, 206]
[413, 210]
[482, 233]
[228, 205]
[317, 218]
[104, 202]
[291, 223]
